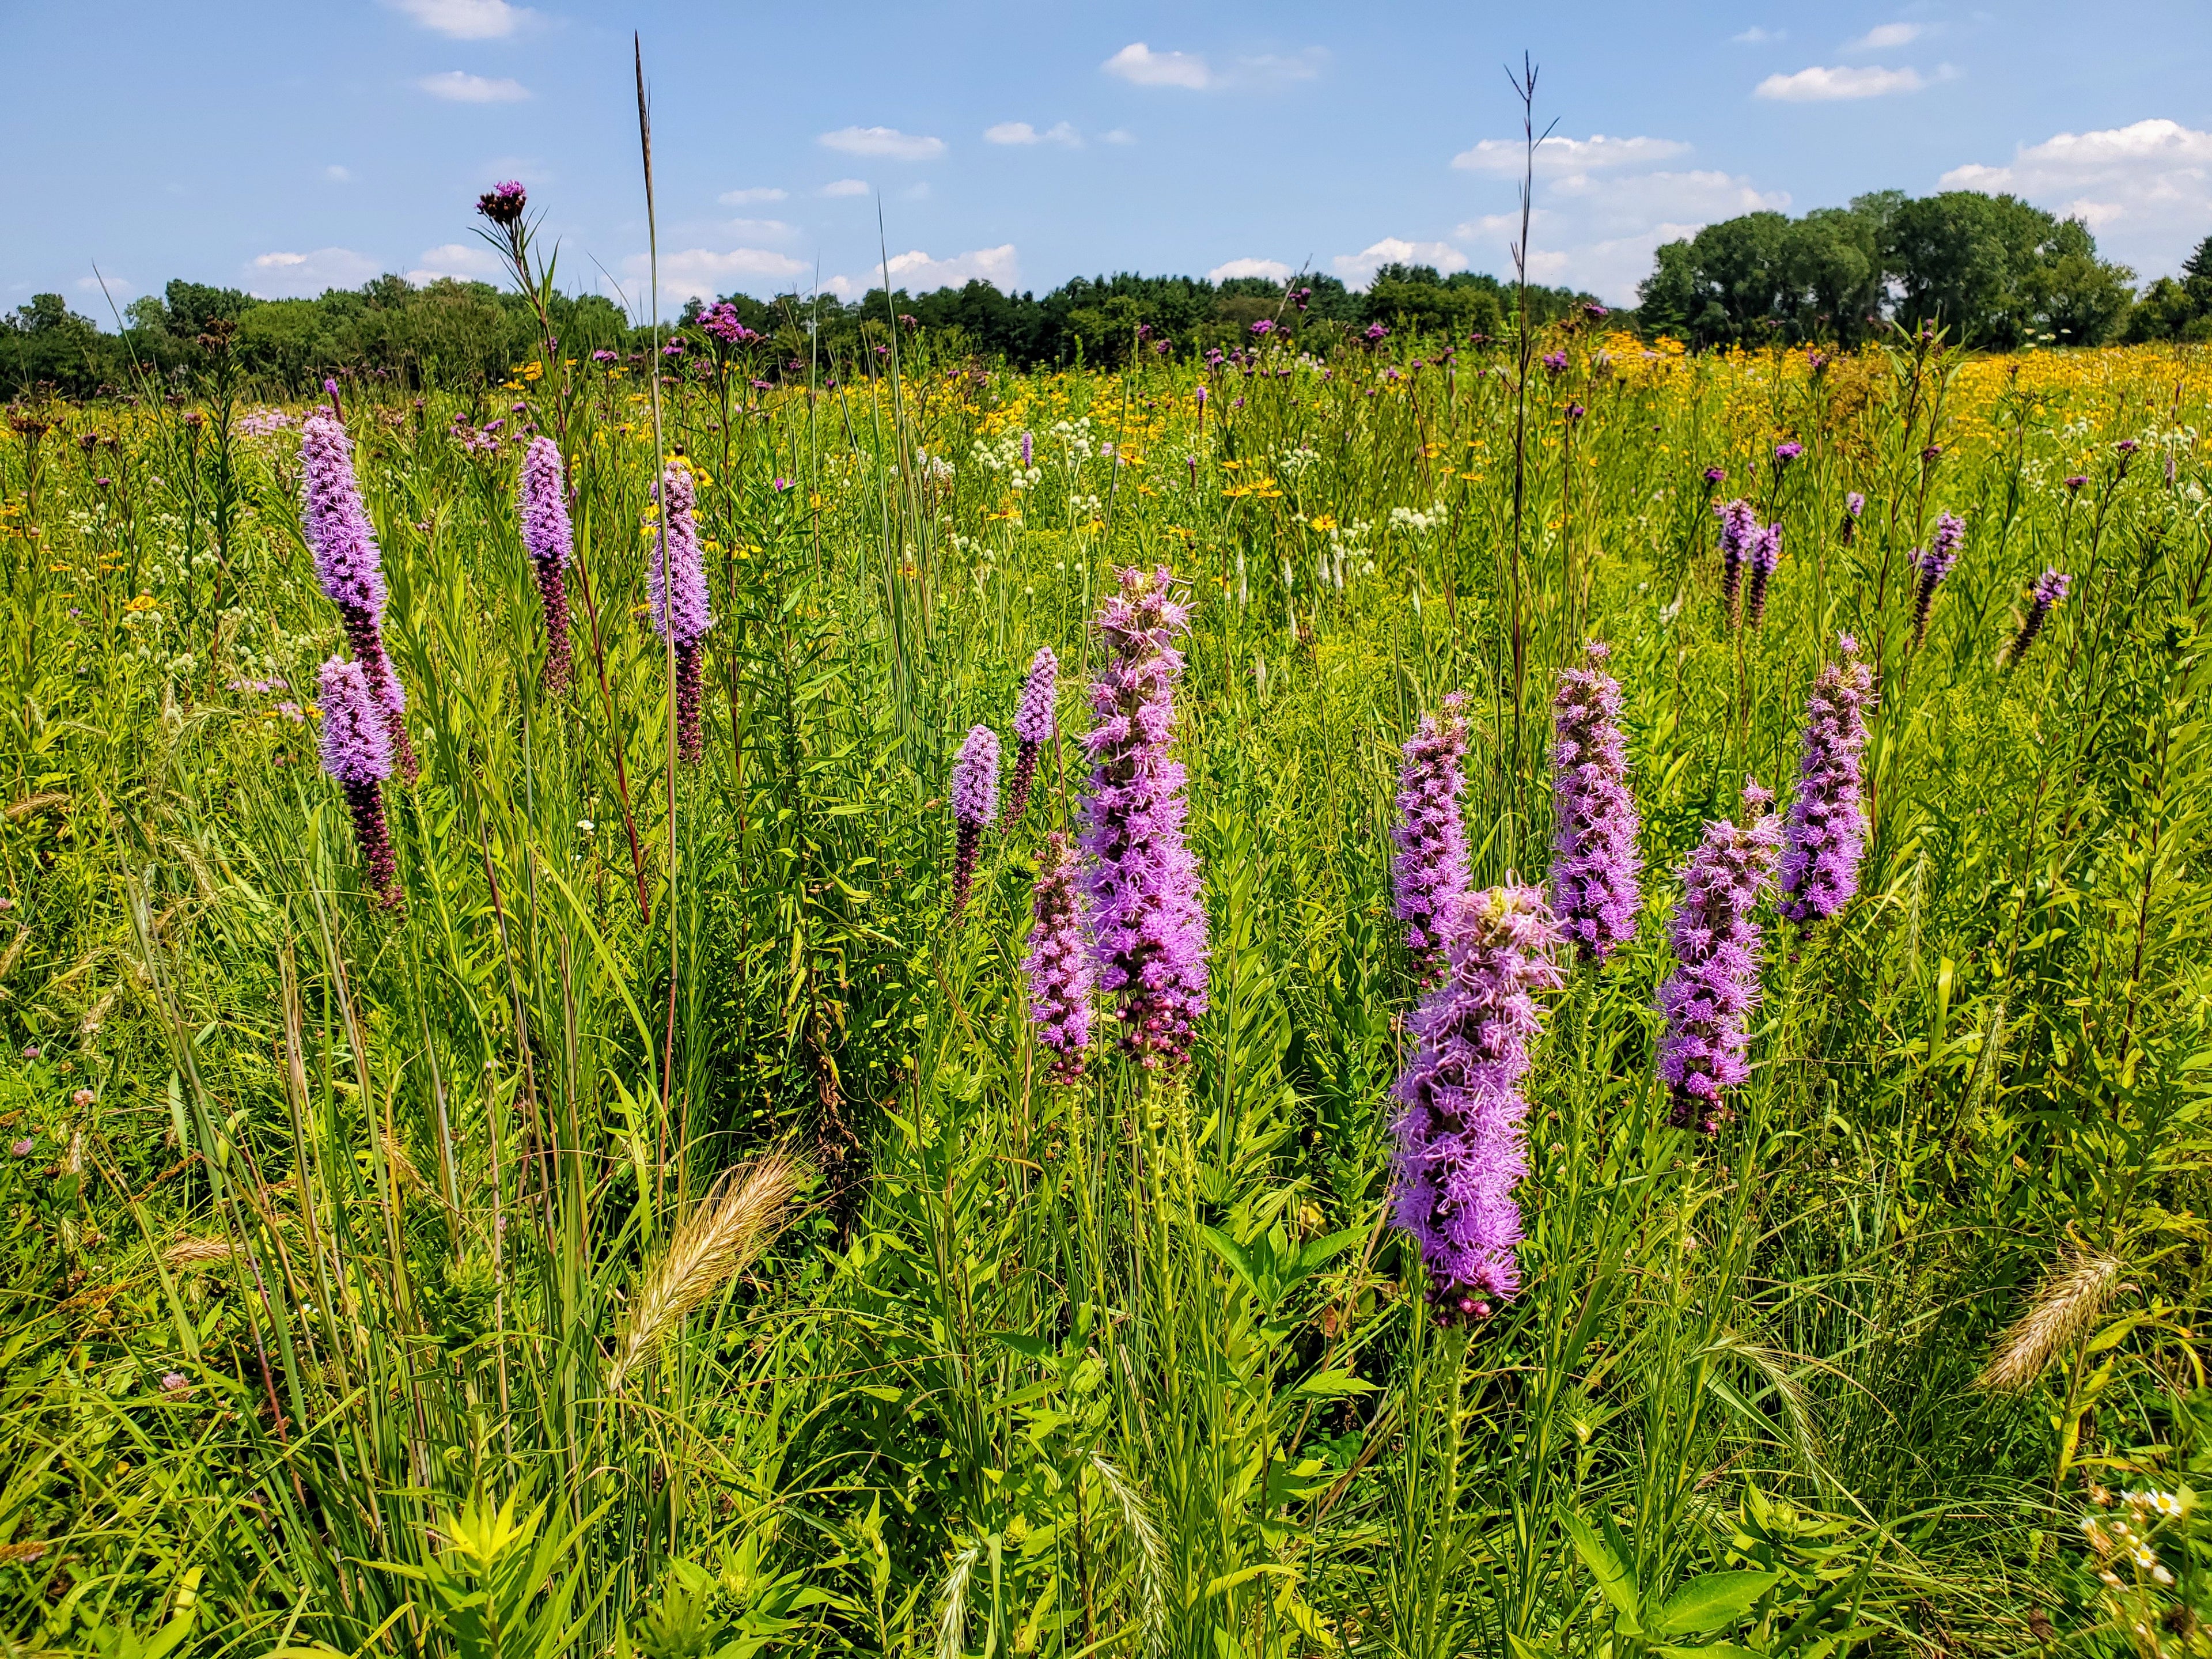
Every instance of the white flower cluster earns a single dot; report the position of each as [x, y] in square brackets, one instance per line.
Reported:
[1290, 462]
[1004, 454]
[933, 468]
[1418, 522]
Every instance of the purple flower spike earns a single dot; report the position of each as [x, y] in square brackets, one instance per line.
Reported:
[1144, 882]
[356, 748]
[1739, 530]
[1766, 554]
[1430, 872]
[1596, 870]
[1460, 1150]
[2048, 593]
[1714, 984]
[1854, 505]
[1933, 565]
[676, 585]
[975, 804]
[1033, 728]
[546, 534]
[1058, 967]
[1826, 835]
[348, 565]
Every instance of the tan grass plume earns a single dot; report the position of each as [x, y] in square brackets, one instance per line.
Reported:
[727, 1229]
[202, 1252]
[2074, 1293]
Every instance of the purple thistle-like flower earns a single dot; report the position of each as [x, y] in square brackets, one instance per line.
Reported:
[1766, 554]
[1715, 476]
[550, 542]
[1059, 966]
[1596, 870]
[975, 804]
[1151, 924]
[1714, 984]
[1460, 1150]
[504, 202]
[1033, 728]
[1933, 564]
[676, 582]
[1786, 452]
[2049, 592]
[1739, 529]
[1430, 873]
[356, 750]
[348, 565]
[1825, 835]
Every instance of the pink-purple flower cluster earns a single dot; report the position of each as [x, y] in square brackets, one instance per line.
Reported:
[676, 585]
[1739, 531]
[356, 751]
[1596, 870]
[1461, 1149]
[1854, 505]
[1825, 835]
[1430, 872]
[1033, 728]
[975, 804]
[550, 542]
[1709, 995]
[1930, 565]
[349, 566]
[1059, 966]
[2046, 595]
[1150, 923]
[1766, 554]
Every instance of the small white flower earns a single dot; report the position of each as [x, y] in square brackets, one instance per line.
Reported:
[586, 825]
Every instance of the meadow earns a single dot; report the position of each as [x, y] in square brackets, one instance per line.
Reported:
[649, 1220]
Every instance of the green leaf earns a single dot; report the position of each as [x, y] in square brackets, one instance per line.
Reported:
[1328, 1385]
[1029, 1347]
[1239, 1260]
[1613, 1579]
[1706, 1603]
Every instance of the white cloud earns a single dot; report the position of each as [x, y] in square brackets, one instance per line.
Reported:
[917, 273]
[1505, 156]
[756, 230]
[466, 20]
[457, 85]
[337, 174]
[844, 187]
[917, 191]
[887, 141]
[1886, 37]
[117, 287]
[1818, 85]
[1271, 70]
[2146, 188]
[283, 276]
[1021, 132]
[754, 193]
[1118, 136]
[1359, 269]
[707, 273]
[472, 263]
[1758, 35]
[1273, 270]
[1140, 66]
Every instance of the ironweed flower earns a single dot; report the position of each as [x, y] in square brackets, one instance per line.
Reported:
[1144, 882]
[547, 536]
[1786, 452]
[1430, 872]
[504, 202]
[1715, 476]
[1596, 870]
[348, 565]
[1555, 362]
[356, 751]
[1708, 998]
[2048, 593]
[975, 804]
[1033, 728]
[1460, 1150]
[1059, 968]
[1933, 564]
[1825, 835]
[1766, 554]
[676, 583]
[1739, 530]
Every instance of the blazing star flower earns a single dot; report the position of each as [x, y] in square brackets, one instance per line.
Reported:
[1766, 554]
[975, 804]
[348, 564]
[1028, 443]
[356, 750]
[1932, 566]
[1144, 882]
[1033, 726]
[504, 202]
[676, 583]
[1596, 867]
[1854, 505]
[1430, 872]
[1714, 984]
[1739, 530]
[1825, 835]
[1058, 967]
[547, 536]
[2048, 593]
[1460, 1150]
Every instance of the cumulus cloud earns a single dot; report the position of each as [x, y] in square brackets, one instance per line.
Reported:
[756, 230]
[707, 272]
[1359, 269]
[1757, 35]
[290, 276]
[1273, 270]
[844, 187]
[917, 273]
[1886, 37]
[888, 143]
[459, 86]
[1505, 156]
[2145, 188]
[1021, 132]
[1819, 86]
[114, 287]
[466, 20]
[1139, 64]
[470, 262]
[751, 194]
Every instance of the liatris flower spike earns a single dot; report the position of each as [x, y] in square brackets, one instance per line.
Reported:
[356, 745]
[975, 804]
[1825, 835]
[2049, 592]
[676, 585]
[1854, 505]
[1033, 728]
[546, 534]
[1430, 872]
[1739, 529]
[1461, 1151]
[1144, 882]
[1058, 967]
[1595, 866]
[1714, 984]
[348, 565]
[1766, 554]
[1933, 565]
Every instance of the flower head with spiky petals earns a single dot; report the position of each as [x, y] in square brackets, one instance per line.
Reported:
[1430, 870]
[1826, 834]
[1596, 870]
[1709, 997]
[1059, 968]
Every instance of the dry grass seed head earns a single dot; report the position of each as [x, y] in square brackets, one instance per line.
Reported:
[2067, 1304]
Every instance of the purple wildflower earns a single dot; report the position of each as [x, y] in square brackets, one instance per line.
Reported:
[721, 321]
[1430, 872]
[175, 1387]
[1787, 451]
[1461, 1151]
[1933, 565]
[504, 202]
[1144, 881]
[2049, 592]
[23, 1147]
[348, 564]
[1059, 966]
[2074, 484]
[1028, 444]
[1715, 476]
[1854, 505]
[1033, 726]
[975, 804]
[676, 585]
[1555, 362]
[1826, 835]
[1714, 984]
[1766, 554]
[1739, 530]
[1375, 334]
[1596, 867]
[356, 745]
[546, 534]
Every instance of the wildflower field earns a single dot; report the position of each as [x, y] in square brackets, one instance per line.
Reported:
[1383, 995]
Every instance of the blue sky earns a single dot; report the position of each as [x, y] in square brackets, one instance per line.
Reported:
[287, 148]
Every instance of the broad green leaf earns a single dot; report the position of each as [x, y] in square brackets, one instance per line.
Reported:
[1705, 1604]
[1613, 1579]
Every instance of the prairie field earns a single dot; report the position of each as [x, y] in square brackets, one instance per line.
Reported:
[649, 1216]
